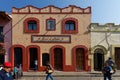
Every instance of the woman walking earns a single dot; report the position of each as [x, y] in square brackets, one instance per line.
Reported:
[49, 71]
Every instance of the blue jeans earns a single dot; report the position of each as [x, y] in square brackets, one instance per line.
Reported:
[107, 76]
[49, 76]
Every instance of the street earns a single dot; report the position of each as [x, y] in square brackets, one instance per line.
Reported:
[68, 78]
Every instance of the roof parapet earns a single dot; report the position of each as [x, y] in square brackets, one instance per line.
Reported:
[111, 27]
[52, 9]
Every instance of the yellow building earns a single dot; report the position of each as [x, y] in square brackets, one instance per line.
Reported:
[58, 35]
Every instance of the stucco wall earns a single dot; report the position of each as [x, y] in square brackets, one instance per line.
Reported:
[81, 38]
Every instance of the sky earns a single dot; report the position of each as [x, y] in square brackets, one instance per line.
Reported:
[103, 11]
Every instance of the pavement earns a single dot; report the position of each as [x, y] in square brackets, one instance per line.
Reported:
[60, 75]
[64, 74]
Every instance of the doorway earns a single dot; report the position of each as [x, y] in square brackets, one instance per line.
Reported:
[33, 58]
[98, 59]
[80, 59]
[45, 59]
[17, 56]
[117, 57]
[58, 59]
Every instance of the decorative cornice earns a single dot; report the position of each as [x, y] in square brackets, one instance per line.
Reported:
[71, 9]
[108, 27]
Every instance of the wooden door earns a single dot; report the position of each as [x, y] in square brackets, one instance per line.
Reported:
[98, 61]
[17, 56]
[80, 59]
[117, 58]
[33, 57]
[58, 59]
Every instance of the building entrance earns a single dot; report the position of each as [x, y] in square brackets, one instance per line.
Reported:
[58, 59]
[80, 59]
[98, 59]
[117, 57]
[17, 56]
[33, 58]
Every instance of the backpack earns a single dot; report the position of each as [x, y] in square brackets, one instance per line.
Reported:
[107, 69]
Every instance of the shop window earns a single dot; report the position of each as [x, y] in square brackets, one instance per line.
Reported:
[45, 58]
[70, 26]
[50, 24]
[31, 25]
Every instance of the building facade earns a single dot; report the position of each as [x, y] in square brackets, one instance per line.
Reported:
[5, 36]
[57, 35]
[105, 43]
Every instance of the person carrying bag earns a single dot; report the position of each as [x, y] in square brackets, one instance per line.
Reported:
[49, 71]
[107, 72]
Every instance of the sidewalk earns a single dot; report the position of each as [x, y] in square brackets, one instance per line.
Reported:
[64, 74]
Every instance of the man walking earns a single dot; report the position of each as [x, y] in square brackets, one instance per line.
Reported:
[5, 73]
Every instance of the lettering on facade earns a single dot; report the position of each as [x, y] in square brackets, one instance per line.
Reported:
[51, 38]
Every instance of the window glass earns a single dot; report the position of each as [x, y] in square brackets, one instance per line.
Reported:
[70, 25]
[1, 29]
[45, 58]
[1, 34]
[51, 24]
[32, 25]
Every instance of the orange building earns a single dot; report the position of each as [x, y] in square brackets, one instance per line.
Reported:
[58, 35]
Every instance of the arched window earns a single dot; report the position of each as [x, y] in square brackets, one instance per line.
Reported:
[31, 25]
[70, 26]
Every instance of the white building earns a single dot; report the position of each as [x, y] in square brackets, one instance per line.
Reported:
[105, 42]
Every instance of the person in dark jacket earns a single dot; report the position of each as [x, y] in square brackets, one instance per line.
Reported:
[5, 73]
[110, 62]
[49, 71]
[107, 72]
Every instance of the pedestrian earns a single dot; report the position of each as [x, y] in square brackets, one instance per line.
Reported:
[49, 71]
[111, 63]
[5, 73]
[15, 72]
[36, 65]
[20, 71]
[107, 72]
[1, 66]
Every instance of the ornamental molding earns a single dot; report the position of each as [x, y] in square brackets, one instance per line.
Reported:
[52, 9]
[108, 27]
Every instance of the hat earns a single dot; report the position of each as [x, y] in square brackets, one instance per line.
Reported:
[109, 58]
[7, 64]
